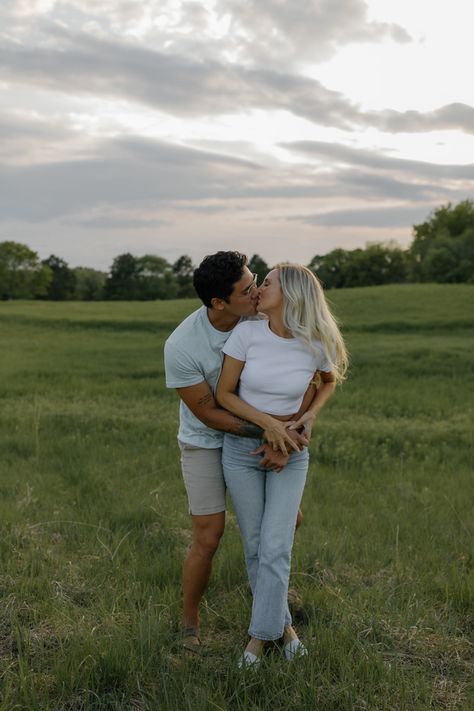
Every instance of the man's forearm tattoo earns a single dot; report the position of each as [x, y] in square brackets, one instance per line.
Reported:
[205, 399]
[246, 429]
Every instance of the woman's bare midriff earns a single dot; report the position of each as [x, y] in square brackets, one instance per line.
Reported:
[283, 418]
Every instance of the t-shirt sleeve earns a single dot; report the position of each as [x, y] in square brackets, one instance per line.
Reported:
[324, 365]
[237, 344]
[180, 368]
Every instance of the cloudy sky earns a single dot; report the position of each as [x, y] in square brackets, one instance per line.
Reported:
[282, 127]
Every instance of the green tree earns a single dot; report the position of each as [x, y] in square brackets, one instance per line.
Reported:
[183, 269]
[258, 266]
[378, 263]
[90, 284]
[141, 278]
[22, 276]
[156, 278]
[63, 282]
[443, 246]
[123, 280]
[331, 268]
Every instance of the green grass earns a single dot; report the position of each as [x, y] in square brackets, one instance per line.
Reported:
[94, 524]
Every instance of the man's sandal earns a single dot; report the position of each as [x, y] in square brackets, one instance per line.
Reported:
[187, 635]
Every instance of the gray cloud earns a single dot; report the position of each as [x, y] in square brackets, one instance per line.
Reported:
[14, 126]
[180, 86]
[123, 172]
[25, 139]
[341, 155]
[452, 116]
[382, 217]
[313, 31]
[253, 31]
[122, 222]
[81, 63]
[131, 182]
[377, 186]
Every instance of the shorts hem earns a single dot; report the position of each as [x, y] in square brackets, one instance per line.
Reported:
[208, 512]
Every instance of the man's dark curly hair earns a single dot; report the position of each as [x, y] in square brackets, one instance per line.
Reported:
[216, 275]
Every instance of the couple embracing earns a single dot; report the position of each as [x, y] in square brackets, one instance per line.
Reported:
[252, 367]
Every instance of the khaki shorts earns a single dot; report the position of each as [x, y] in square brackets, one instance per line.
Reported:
[203, 479]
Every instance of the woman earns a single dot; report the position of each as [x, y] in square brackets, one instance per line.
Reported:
[271, 363]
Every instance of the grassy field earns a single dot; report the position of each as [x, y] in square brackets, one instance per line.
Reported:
[94, 524]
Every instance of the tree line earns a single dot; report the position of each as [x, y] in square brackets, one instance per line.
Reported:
[442, 250]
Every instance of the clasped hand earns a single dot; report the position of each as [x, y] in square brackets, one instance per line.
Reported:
[282, 436]
[295, 433]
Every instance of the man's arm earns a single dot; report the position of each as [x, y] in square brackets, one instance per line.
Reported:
[201, 402]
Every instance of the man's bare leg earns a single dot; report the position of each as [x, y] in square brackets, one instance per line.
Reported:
[207, 532]
[299, 519]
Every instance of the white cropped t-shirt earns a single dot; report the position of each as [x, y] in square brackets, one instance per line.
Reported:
[277, 370]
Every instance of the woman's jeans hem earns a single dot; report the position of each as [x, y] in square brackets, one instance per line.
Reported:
[265, 637]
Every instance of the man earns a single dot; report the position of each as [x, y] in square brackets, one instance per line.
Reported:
[193, 359]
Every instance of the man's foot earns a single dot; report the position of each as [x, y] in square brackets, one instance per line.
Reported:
[190, 640]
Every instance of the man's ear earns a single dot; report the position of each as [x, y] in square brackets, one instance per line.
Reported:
[217, 304]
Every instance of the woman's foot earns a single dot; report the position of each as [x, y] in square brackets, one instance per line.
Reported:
[292, 646]
[251, 656]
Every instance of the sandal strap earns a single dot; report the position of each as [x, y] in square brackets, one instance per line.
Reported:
[189, 632]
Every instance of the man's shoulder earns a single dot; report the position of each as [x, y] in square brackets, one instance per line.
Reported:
[186, 329]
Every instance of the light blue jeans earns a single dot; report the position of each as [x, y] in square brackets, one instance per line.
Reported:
[266, 504]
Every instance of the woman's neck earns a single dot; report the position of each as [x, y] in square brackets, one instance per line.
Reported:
[275, 321]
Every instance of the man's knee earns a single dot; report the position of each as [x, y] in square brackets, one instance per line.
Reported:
[207, 536]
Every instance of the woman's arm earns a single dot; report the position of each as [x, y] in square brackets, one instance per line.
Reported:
[274, 431]
[309, 410]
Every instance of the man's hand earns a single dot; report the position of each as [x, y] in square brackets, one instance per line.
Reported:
[274, 460]
[271, 460]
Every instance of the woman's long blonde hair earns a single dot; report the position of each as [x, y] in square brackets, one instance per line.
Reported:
[307, 315]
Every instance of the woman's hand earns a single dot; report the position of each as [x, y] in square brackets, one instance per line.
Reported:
[306, 421]
[277, 436]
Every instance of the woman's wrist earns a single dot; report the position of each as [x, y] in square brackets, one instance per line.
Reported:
[265, 421]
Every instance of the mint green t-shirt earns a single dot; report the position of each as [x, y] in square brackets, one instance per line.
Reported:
[193, 353]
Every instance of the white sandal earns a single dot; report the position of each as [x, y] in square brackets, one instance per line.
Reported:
[295, 648]
[248, 659]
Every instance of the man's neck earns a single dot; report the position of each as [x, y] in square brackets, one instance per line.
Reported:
[221, 320]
